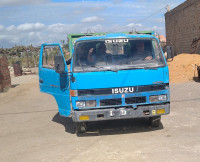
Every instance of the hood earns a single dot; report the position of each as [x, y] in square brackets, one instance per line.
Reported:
[121, 78]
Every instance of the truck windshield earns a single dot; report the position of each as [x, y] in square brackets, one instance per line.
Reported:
[117, 54]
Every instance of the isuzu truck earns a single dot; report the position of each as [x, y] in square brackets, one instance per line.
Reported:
[108, 77]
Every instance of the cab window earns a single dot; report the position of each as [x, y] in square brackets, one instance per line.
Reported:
[49, 52]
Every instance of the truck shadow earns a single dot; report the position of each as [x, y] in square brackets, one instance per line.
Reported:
[111, 127]
[67, 122]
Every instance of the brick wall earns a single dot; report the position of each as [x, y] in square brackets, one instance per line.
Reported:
[183, 25]
[5, 80]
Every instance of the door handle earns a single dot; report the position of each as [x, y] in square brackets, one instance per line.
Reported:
[41, 81]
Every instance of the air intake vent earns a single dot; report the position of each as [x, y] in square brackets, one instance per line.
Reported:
[134, 100]
[109, 102]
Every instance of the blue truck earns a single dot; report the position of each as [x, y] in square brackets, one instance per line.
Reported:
[109, 76]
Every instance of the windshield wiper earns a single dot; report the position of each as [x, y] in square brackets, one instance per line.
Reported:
[145, 67]
[151, 68]
[104, 68]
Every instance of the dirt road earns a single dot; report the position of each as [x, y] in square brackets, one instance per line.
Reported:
[31, 130]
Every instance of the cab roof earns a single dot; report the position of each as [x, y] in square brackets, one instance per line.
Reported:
[115, 35]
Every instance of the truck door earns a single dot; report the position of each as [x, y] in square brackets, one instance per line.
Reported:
[52, 82]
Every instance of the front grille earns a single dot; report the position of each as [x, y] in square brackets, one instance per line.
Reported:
[85, 92]
[109, 102]
[134, 100]
[105, 91]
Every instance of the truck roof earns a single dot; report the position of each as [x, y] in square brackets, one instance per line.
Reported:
[115, 35]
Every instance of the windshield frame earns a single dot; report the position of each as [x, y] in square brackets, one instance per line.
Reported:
[116, 69]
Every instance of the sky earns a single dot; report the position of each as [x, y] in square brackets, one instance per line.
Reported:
[26, 22]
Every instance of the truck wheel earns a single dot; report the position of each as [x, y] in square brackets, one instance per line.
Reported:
[81, 127]
[155, 121]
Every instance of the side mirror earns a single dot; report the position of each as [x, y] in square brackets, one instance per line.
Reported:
[59, 64]
[169, 50]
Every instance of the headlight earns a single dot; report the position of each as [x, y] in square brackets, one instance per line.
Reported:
[80, 104]
[153, 99]
[91, 103]
[162, 97]
[158, 98]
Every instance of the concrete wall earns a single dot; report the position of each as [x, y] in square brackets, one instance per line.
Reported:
[5, 80]
[183, 25]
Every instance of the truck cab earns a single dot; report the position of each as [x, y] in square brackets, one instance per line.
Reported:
[111, 76]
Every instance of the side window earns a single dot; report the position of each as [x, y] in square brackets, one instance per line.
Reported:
[156, 50]
[49, 52]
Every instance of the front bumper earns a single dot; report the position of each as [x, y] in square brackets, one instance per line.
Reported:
[120, 113]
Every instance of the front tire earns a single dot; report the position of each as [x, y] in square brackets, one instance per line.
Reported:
[155, 121]
[81, 127]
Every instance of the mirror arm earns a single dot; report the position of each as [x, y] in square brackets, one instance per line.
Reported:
[72, 77]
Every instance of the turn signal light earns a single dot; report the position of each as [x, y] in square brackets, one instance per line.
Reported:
[73, 93]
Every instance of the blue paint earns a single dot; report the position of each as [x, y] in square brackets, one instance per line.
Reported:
[55, 84]
[116, 35]
[122, 78]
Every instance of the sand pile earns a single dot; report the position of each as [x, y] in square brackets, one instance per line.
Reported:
[183, 69]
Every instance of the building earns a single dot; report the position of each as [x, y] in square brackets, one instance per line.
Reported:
[183, 27]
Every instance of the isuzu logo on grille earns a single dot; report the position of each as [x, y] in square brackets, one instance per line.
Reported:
[123, 90]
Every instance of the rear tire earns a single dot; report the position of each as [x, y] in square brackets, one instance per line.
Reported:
[81, 127]
[155, 121]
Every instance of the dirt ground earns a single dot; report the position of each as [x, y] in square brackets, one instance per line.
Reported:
[183, 68]
[32, 130]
